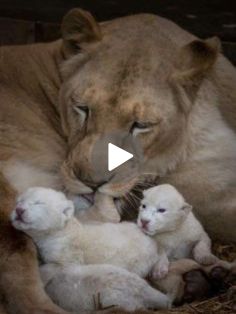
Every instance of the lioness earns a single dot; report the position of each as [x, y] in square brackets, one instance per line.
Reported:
[140, 74]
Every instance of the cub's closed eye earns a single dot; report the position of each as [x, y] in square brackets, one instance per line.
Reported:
[38, 203]
[143, 206]
[161, 210]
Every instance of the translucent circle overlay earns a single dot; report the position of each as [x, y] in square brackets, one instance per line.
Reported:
[128, 169]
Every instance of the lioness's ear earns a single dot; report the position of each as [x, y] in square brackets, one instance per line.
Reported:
[192, 64]
[79, 26]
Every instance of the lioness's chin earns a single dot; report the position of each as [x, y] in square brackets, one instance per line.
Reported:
[117, 186]
[118, 189]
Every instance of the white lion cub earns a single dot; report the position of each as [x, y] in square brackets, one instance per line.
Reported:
[76, 287]
[166, 217]
[47, 216]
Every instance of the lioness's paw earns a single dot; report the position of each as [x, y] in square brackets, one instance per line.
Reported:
[208, 259]
[197, 286]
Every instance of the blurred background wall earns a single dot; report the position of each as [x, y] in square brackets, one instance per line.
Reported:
[27, 21]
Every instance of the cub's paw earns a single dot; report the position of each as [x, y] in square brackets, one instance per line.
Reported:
[208, 259]
[160, 270]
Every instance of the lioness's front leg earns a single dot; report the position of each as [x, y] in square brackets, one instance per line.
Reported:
[103, 209]
[20, 284]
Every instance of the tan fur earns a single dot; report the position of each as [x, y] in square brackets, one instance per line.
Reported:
[183, 95]
[18, 256]
[127, 74]
[174, 283]
[103, 210]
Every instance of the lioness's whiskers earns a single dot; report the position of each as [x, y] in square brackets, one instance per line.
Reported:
[124, 208]
[135, 196]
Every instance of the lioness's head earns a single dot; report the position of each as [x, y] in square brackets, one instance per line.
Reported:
[127, 75]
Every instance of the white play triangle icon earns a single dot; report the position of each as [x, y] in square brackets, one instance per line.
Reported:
[117, 156]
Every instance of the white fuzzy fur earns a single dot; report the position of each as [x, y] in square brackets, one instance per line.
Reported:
[76, 288]
[62, 239]
[177, 231]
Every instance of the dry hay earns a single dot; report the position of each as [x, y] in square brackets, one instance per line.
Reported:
[221, 304]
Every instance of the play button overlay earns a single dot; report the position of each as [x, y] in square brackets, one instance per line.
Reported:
[117, 156]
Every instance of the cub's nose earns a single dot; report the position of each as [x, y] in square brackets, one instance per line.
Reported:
[19, 212]
[145, 222]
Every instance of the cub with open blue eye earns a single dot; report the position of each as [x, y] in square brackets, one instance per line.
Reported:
[165, 215]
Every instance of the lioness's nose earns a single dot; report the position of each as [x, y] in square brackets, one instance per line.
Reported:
[94, 185]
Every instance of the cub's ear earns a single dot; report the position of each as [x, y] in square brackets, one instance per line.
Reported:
[145, 192]
[192, 64]
[68, 209]
[79, 26]
[187, 208]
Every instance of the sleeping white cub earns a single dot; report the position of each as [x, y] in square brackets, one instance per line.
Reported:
[166, 217]
[75, 287]
[47, 216]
